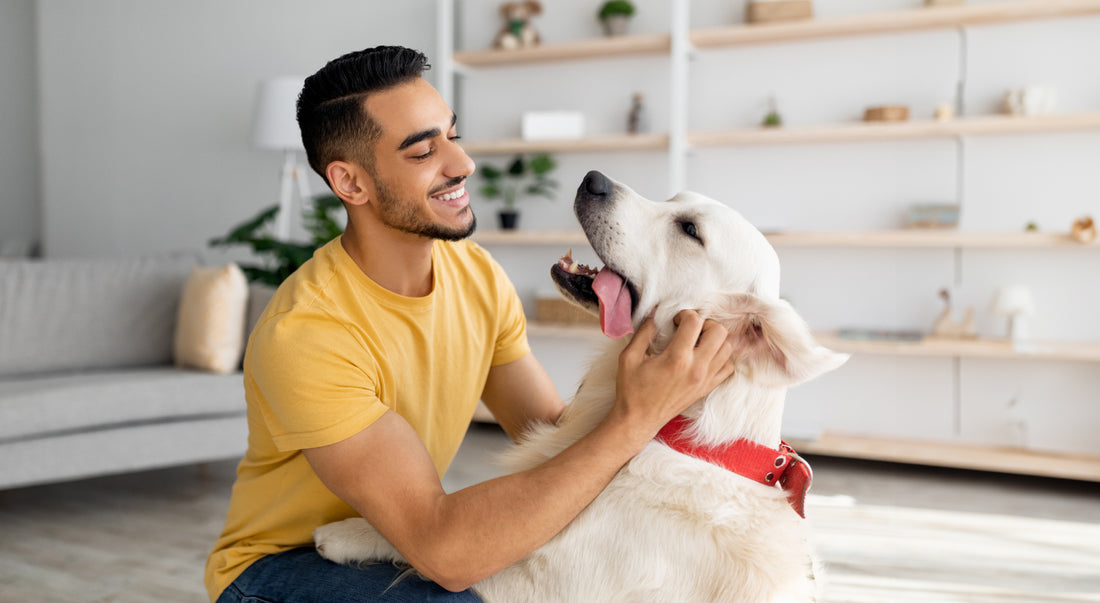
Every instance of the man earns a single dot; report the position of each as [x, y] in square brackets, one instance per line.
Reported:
[363, 373]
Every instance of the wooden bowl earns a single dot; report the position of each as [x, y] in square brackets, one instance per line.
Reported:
[887, 113]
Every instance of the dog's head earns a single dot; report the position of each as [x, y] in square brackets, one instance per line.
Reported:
[687, 252]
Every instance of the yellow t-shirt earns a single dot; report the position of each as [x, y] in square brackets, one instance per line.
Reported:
[332, 352]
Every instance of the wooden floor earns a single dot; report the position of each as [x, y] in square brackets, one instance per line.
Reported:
[886, 533]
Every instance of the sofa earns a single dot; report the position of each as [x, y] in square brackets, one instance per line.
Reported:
[93, 378]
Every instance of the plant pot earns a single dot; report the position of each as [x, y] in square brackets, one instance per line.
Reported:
[509, 218]
[615, 25]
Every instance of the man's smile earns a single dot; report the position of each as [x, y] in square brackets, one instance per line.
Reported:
[455, 198]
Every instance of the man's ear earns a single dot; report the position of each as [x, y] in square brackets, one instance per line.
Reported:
[772, 344]
[349, 181]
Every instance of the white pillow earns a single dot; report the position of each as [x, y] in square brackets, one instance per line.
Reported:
[210, 329]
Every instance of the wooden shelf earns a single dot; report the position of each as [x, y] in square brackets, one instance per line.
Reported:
[530, 238]
[884, 131]
[928, 347]
[955, 455]
[928, 238]
[964, 348]
[892, 22]
[916, 238]
[613, 142]
[564, 330]
[595, 48]
[859, 131]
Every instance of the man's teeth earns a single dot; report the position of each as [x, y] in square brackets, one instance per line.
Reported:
[452, 196]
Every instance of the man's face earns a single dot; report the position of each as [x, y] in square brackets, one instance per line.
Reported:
[419, 172]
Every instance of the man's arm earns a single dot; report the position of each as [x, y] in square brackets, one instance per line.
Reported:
[520, 393]
[458, 539]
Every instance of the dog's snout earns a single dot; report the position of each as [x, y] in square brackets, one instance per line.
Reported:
[596, 185]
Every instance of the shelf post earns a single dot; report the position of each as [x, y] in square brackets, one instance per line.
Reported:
[679, 56]
[445, 49]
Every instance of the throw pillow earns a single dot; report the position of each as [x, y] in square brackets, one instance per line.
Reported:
[210, 329]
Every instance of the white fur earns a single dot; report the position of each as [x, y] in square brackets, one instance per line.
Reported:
[669, 527]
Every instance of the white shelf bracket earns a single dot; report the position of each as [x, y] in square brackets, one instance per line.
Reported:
[679, 56]
[445, 48]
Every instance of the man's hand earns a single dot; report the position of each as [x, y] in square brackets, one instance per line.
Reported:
[651, 389]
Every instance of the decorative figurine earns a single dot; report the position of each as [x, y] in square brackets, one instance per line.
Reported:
[636, 122]
[947, 326]
[1083, 230]
[517, 31]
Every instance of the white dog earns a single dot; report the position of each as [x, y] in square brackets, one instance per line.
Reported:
[670, 526]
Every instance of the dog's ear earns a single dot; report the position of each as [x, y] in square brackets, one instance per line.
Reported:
[771, 341]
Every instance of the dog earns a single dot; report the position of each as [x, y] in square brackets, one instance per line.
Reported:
[670, 526]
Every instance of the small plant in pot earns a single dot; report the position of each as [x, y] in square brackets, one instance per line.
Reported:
[523, 177]
[615, 16]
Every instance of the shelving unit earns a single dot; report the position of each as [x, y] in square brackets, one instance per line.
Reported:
[678, 47]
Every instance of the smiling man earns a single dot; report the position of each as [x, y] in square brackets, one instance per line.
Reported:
[364, 371]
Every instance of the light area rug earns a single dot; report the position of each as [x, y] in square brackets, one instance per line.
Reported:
[887, 554]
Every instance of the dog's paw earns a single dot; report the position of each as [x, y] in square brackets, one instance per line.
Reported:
[342, 541]
[353, 541]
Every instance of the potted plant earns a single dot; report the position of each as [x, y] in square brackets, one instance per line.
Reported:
[615, 16]
[522, 177]
[281, 258]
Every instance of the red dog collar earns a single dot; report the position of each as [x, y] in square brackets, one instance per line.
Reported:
[757, 462]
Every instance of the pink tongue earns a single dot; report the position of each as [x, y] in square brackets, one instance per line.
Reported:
[614, 304]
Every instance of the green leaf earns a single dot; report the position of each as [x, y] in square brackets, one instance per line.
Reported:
[517, 167]
[489, 172]
[490, 191]
[542, 164]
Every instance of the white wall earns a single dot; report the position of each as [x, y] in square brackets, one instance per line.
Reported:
[146, 109]
[19, 165]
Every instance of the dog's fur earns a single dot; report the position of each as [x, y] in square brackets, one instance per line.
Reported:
[668, 527]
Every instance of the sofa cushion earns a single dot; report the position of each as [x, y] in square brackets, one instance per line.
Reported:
[59, 315]
[210, 329]
[34, 406]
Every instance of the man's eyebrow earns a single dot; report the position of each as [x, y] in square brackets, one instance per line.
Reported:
[426, 134]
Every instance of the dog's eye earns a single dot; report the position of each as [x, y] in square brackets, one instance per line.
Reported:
[690, 230]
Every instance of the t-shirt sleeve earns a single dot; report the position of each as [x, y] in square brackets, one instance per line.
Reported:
[511, 342]
[312, 393]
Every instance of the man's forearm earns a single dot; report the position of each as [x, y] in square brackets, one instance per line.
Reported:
[480, 530]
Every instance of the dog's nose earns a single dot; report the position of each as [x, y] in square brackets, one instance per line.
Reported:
[596, 185]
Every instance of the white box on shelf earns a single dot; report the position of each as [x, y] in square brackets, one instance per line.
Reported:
[553, 125]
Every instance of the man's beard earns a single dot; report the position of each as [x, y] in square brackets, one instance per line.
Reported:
[404, 217]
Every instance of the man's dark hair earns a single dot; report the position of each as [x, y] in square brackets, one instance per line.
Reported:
[334, 124]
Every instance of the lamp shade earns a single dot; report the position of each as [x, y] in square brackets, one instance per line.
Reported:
[275, 121]
[1013, 300]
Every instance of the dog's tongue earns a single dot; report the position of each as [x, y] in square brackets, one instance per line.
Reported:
[614, 304]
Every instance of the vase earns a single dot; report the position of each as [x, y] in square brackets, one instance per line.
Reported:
[615, 25]
[508, 219]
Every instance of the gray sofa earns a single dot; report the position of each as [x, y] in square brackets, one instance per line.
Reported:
[87, 381]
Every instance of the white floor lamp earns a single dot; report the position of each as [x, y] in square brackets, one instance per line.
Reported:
[276, 128]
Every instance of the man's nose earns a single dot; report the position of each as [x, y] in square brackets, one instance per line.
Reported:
[459, 164]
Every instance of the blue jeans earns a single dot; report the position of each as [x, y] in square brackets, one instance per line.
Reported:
[302, 576]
